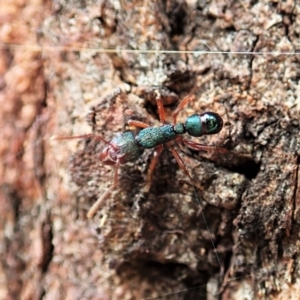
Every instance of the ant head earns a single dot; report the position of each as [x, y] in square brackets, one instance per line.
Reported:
[206, 123]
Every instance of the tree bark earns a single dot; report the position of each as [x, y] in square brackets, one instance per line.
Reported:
[231, 233]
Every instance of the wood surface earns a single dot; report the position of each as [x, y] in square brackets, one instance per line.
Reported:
[241, 241]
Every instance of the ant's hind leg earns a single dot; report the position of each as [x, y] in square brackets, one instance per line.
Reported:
[85, 136]
[95, 207]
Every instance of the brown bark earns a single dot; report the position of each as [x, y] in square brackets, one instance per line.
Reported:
[156, 245]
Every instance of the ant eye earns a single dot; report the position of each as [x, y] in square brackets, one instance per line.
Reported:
[212, 123]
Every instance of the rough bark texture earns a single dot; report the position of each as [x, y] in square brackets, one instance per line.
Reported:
[155, 245]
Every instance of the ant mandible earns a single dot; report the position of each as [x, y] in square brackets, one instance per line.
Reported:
[126, 147]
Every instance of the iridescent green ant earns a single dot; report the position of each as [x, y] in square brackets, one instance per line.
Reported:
[126, 147]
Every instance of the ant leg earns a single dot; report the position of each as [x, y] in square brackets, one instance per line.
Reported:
[161, 110]
[137, 124]
[85, 136]
[179, 161]
[157, 152]
[183, 167]
[199, 147]
[95, 207]
[181, 105]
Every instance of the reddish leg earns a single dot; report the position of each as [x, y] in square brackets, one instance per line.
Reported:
[161, 113]
[161, 110]
[181, 105]
[87, 136]
[95, 207]
[157, 152]
[179, 161]
[183, 167]
[199, 147]
[137, 124]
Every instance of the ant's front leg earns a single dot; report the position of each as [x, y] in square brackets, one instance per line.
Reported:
[181, 105]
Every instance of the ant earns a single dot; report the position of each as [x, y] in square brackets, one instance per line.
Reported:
[126, 147]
